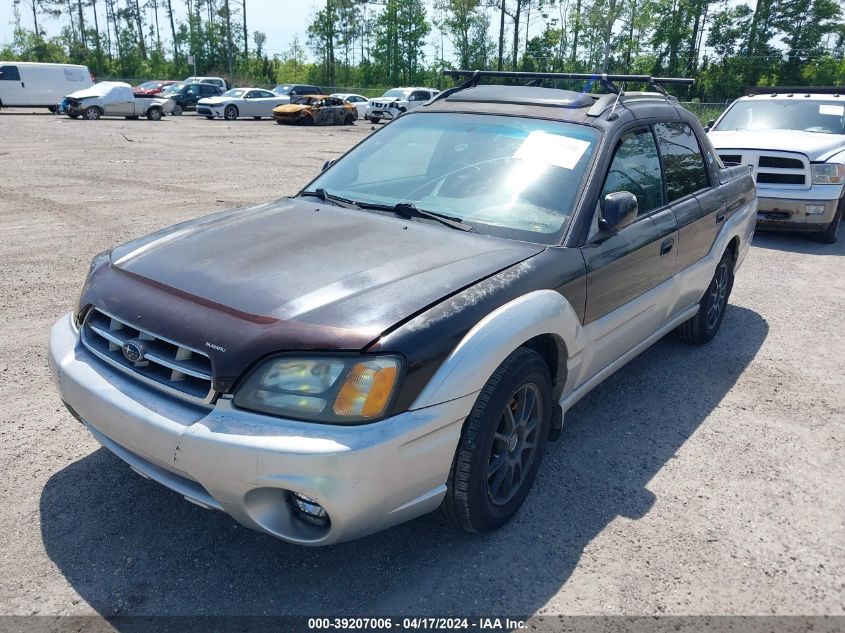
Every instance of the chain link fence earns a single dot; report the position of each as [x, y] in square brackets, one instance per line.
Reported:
[706, 111]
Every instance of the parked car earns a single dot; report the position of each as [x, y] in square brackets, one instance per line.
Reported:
[315, 110]
[359, 102]
[186, 96]
[217, 81]
[292, 91]
[793, 139]
[240, 102]
[397, 101]
[37, 85]
[150, 88]
[405, 334]
[114, 98]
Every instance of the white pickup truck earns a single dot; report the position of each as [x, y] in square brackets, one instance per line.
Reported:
[113, 98]
[793, 139]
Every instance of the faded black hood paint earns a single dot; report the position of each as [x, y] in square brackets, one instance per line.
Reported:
[290, 275]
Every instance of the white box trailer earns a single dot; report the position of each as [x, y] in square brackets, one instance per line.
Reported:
[37, 85]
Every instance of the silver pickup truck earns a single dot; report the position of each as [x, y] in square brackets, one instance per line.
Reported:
[113, 98]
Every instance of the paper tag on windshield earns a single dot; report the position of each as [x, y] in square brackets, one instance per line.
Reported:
[552, 149]
[835, 110]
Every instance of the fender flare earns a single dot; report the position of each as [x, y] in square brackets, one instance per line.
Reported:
[491, 340]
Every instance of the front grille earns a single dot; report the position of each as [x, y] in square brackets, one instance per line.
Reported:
[771, 168]
[774, 178]
[780, 162]
[173, 367]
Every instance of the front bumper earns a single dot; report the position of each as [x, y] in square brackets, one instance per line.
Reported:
[205, 110]
[791, 214]
[367, 477]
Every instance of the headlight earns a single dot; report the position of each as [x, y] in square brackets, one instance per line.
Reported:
[330, 389]
[828, 173]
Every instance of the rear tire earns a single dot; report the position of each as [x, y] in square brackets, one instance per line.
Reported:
[257, 118]
[701, 328]
[210, 118]
[501, 446]
[92, 113]
[350, 120]
[374, 119]
[831, 234]
[307, 121]
[53, 109]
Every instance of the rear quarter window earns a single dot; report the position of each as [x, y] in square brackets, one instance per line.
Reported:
[683, 164]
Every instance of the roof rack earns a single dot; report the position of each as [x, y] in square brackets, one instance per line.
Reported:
[607, 81]
[750, 91]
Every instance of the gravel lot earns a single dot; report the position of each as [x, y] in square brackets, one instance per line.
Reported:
[695, 481]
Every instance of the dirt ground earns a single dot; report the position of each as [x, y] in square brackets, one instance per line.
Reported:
[695, 481]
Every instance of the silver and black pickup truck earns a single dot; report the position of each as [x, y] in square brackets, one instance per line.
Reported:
[113, 98]
[406, 334]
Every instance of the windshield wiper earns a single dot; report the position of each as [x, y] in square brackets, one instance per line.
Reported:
[408, 210]
[323, 195]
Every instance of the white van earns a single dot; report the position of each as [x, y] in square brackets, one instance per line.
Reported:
[217, 81]
[37, 85]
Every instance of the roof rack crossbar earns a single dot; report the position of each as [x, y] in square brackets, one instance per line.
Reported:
[772, 90]
[606, 80]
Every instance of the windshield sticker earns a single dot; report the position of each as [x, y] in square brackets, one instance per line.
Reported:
[552, 149]
[835, 110]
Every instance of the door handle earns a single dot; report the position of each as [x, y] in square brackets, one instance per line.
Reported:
[720, 217]
[23, 85]
[666, 246]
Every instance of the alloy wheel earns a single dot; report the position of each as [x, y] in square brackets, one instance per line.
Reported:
[718, 296]
[514, 444]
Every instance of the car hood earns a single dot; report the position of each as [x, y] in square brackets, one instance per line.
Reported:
[292, 275]
[385, 99]
[212, 101]
[290, 108]
[815, 145]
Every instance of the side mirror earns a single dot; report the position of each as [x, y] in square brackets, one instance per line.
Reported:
[620, 210]
[328, 164]
[709, 125]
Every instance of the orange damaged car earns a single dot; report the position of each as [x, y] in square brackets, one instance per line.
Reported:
[315, 110]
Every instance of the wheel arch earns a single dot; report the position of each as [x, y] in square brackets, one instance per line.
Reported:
[542, 320]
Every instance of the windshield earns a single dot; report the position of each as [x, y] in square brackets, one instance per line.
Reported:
[305, 100]
[396, 93]
[235, 92]
[149, 85]
[282, 90]
[505, 176]
[827, 117]
[173, 88]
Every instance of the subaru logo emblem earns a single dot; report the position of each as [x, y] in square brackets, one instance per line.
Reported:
[132, 351]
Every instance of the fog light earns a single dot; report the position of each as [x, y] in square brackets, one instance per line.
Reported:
[309, 510]
[814, 209]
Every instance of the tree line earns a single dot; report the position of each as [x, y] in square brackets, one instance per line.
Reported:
[725, 45]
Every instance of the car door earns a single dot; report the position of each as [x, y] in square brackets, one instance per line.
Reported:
[192, 94]
[625, 266]
[12, 87]
[698, 206]
[264, 102]
[417, 98]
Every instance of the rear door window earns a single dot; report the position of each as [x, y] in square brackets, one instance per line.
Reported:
[10, 73]
[683, 164]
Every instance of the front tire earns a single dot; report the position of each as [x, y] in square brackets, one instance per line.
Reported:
[230, 113]
[92, 113]
[374, 119]
[154, 114]
[831, 234]
[701, 328]
[501, 446]
[350, 120]
[177, 110]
